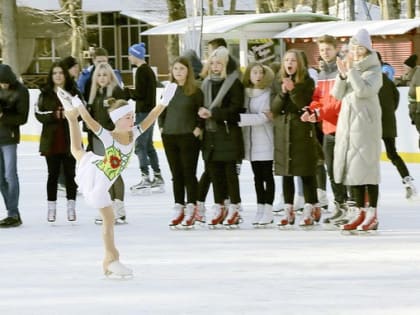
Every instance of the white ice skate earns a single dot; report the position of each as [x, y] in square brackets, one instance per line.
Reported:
[258, 215]
[267, 217]
[119, 211]
[117, 269]
[410, 189]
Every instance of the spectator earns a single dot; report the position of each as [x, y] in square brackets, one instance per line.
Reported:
[14, 110]
[55, 139]
[144, 94]
[358, 135]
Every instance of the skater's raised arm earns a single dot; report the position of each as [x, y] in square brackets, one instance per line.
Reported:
[91, 123]
[167, 95]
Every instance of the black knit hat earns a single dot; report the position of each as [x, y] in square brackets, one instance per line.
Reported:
[411, 61]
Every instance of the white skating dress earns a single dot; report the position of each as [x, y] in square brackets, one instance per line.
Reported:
[95, 174]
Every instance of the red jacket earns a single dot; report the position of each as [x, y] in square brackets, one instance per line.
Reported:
[327, 106]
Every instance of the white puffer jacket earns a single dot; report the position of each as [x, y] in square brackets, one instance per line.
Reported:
[257, 128]
[358, 136]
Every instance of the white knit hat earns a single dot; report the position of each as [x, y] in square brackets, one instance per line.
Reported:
[362, 38]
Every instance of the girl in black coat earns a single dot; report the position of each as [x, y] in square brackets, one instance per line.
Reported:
[295, 142]
[222, 139]
[55, 139]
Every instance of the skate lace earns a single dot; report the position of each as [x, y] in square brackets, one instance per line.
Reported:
[216, 210]
[370, 215]
[177, 210]
[307, 211]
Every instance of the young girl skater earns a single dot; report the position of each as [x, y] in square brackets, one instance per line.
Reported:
[257, 130]
[95, 174]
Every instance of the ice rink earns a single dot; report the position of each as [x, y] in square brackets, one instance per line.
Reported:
[56, 269]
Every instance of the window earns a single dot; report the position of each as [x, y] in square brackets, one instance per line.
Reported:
[45, 55]
[129, 35]
[101, 32]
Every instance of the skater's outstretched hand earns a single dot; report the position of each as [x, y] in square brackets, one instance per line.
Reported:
[76, 101]
[71, 114]
[167, 94]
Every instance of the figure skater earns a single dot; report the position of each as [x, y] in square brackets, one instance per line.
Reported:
[95, 174]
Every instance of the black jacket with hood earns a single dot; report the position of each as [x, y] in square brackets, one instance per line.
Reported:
[14, 105]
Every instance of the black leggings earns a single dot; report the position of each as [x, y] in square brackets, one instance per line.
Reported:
[54, 163]
[358, 194]
[309, 189]
[263, 181]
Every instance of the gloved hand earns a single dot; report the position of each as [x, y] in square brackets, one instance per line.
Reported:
[76, 101]
[168, 93]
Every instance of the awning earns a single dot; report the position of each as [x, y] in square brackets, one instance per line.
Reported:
[222, 24]
[349, 28]
[153, 18]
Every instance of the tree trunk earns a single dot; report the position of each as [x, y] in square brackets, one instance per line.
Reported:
[232, 9]
[74, 7]
[9, 35]
[176, 11]
[410, 9]
[352, 15]
[394, 9]
[211, 7]
[325, 7]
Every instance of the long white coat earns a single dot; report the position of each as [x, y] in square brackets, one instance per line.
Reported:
[257, 128]
[358, 136]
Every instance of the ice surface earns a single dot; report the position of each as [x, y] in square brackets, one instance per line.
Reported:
[56, 269]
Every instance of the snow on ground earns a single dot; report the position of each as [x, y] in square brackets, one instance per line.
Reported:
[56, 269]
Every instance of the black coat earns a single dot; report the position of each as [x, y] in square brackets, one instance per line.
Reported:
[226, 142]
[295, 142]
[14, 103]
[46, 113]
[389, 96]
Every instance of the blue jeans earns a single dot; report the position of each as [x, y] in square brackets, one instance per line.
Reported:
[9, 181]
[144, 148]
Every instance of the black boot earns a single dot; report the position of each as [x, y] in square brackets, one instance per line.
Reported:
[10, 222]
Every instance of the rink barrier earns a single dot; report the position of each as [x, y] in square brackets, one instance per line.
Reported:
[406, 142]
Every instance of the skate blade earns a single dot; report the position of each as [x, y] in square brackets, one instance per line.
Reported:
[215, 226]
[265, 225]
[157, 189]
[278, 212]
[114, 276]
[120, 222]
[231, 226]
[141, 192]
[359, 233]
[287, 227]
[329, 227]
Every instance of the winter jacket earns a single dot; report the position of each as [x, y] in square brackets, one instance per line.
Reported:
[295, 143]
[45, 112]
[14, 103]
[389, 96]
[414, 105]
[257, 129]
[145, 90]
[226, 142]
[327, 106]
[181, 115]
[358, 138]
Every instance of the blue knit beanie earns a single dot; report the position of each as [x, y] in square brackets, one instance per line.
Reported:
[137, 50]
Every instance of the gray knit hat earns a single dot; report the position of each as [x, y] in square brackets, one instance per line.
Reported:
[362, 38]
